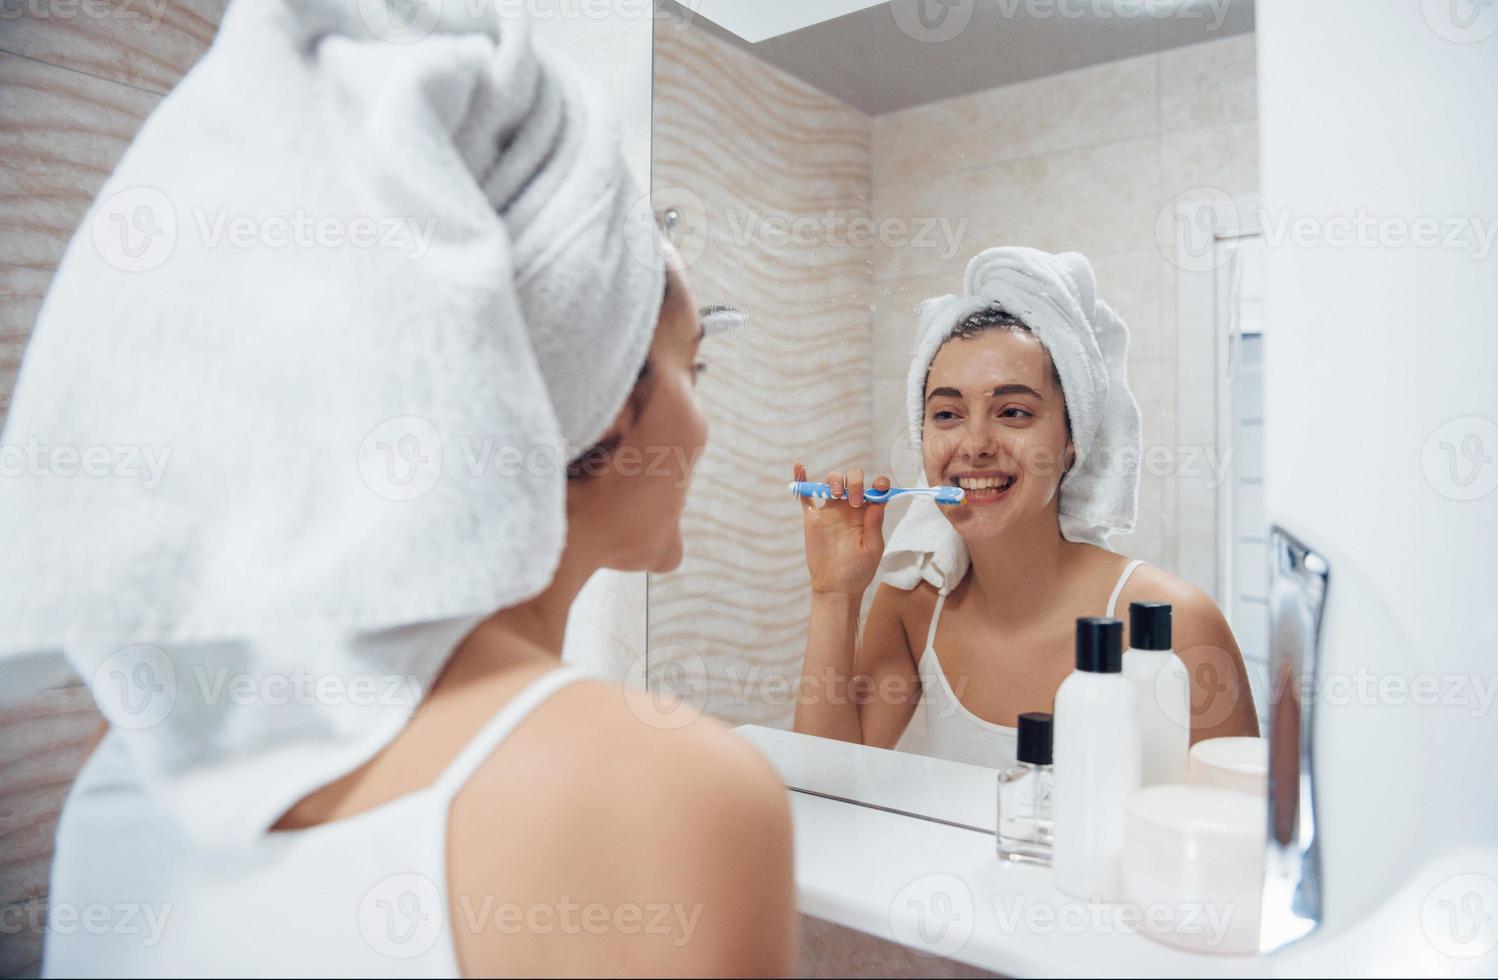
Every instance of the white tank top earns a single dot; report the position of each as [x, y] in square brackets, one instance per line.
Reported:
[943, 728]
[362, 896]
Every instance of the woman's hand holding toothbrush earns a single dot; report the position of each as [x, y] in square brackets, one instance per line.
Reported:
[844, 537]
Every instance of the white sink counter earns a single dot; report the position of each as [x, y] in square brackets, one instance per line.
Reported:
[894, 870]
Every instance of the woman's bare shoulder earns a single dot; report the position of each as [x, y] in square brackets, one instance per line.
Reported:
[627, 797]
[909, 609]
[910, 605]
[593, 739]
[1151, 583]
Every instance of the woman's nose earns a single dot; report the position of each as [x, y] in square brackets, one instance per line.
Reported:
[978, 440]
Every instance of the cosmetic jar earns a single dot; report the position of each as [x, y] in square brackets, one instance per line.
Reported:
[1193, 866]
[1237, 763]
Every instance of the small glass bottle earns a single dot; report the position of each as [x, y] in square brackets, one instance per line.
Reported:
[1025, 795]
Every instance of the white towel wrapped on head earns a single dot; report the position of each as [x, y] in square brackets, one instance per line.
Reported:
[406, 280]
[1055, 295]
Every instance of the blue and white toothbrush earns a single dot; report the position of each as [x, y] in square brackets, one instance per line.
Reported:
[948, 495]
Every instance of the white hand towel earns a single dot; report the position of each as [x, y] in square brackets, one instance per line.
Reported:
[1055, 295]
[398, 278]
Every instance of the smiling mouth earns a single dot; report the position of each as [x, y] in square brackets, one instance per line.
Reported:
[986, 488]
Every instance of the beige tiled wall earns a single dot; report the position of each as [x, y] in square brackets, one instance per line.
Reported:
[744, 149]
[1084, 161]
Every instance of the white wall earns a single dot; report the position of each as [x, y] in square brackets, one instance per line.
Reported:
[606, 629]
[1381, 364]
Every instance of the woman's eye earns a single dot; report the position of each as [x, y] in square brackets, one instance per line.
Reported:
[943, 416]
[1014, 412]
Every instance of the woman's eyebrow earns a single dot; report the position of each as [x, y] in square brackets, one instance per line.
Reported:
[1014, 389]
[999, 392]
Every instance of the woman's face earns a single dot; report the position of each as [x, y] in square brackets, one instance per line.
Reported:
[631, 503]
[995, 425]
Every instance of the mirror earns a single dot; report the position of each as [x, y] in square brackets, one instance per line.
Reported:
[826, 181]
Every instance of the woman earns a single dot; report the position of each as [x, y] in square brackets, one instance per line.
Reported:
[327, 640]
[1018, 395]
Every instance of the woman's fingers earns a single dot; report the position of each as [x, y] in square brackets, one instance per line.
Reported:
[873, 524]
[850, 487]
[835, 481]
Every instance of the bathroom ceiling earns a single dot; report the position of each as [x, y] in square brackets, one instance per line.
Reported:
[756, 20]
[872, 60]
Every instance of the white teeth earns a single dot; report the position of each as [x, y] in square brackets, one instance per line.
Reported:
[985, 482]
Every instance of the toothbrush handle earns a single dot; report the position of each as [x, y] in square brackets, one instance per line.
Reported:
[822, 491]
[817, 491]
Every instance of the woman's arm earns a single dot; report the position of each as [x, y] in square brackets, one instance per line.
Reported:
[862, 693]
[864, 696]
[1222, 701]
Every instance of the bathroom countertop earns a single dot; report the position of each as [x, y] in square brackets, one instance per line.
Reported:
[939, 888]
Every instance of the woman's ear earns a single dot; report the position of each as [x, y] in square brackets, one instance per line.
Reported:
[1070, 456]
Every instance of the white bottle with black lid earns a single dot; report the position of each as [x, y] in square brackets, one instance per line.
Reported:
[1162, 692]
[1096, 755]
